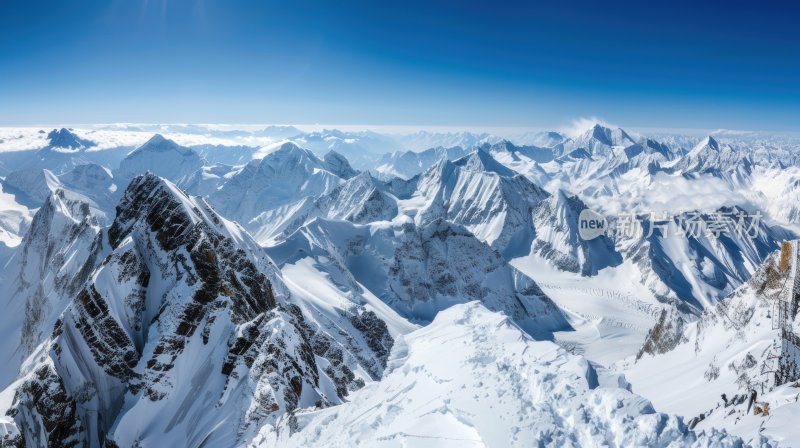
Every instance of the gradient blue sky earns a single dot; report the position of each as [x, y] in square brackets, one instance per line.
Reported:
[729, 64]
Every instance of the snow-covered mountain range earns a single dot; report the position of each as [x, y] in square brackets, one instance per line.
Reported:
[198, 286]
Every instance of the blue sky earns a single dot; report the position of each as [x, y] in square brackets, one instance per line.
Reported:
[732, 64]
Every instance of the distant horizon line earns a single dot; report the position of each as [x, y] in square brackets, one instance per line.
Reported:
[402, 128]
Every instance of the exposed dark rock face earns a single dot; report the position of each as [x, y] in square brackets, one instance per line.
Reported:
[47, 411]
[376, 333]
[665, 335]
[111, 347]
[171, 293]
[281, 349]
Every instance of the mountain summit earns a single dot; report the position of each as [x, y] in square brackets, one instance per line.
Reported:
[65, 139]
[162, 157]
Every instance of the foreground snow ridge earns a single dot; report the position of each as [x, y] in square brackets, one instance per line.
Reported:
[472, 378]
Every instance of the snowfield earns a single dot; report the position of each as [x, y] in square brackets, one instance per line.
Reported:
[473, 378]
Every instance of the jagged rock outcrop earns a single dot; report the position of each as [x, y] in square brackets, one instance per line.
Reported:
[178, 313]
[666, 334]
[45, 273]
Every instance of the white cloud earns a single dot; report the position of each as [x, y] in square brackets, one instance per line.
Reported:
[580, 125]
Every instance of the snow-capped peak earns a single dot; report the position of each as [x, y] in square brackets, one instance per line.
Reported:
[481, 160]
[159, 143]
[476, 191]
[597, 141]
[608, 136]
[285, 175]
[151, 192]
[65, 139]
[154, 315]
[162, 157]
[709, 157]
[708, 142]
[338, 164]
[289, 155]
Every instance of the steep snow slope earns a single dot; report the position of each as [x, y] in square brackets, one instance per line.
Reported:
[557, 238]
[516, 153]
[208, 179]
[14, 220]
[525, 160]
[610, 176]
[360, 199]
[407, 164]
[180, 331]
[709, 157]
[685, 367]
[338, 165]
[319, 292]
[507, 211]
[93, 182]
[419, 271]
[31, 186]
[597, 141]
[43, 274]
[476, 191]
[359, 256]
[161, 157]
[646, 158]
[472, 378]
[778, 192]
[285, 175]
[700, 269]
